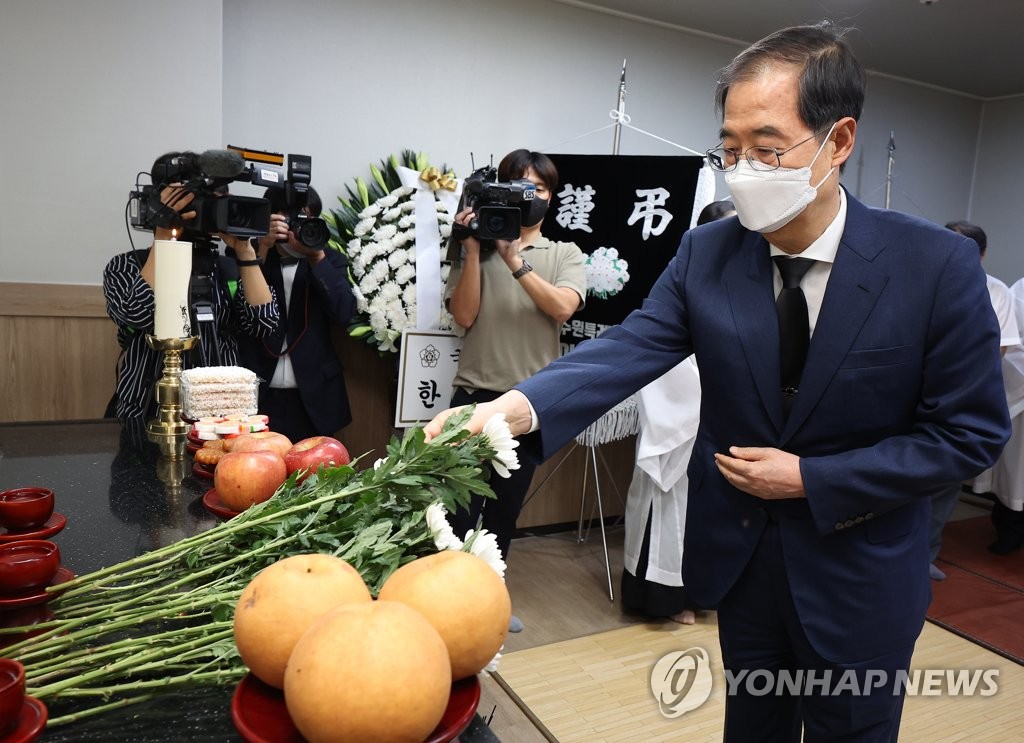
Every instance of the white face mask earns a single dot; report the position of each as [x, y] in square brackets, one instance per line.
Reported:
[767, 200]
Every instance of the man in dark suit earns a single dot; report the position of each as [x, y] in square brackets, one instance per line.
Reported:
[807, 522]
[302, 389]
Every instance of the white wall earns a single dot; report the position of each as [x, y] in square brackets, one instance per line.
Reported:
[92, 93]
[998, 200]
[351, 83]
[95, 91]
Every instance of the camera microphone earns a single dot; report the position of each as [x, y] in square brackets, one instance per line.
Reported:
[221, 163]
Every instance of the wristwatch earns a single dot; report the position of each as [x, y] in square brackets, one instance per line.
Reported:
[522, 270]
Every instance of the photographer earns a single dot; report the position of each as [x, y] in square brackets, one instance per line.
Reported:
[302, 388]
[511, 297]
[233, 285]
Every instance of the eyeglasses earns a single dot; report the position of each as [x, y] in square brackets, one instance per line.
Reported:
[725, 159]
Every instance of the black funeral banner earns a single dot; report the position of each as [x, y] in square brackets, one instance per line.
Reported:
[632, 208]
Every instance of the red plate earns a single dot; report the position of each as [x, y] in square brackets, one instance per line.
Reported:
[200, 470]
[260, 715]
[31, 722]
[54, 524]
[35, 596]
[213, 503]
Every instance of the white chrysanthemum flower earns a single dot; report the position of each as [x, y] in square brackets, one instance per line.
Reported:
[369, 212]
[409, 206]
[404, 238]
[378, 323]
[391, 214]
[369, 285]
[389, 292]
[388, 201]
[445, 230]
[398, 258]
[409, 292]
[358, 266]
[403, 191]
[446, 268]
[360, 299]
[607, 274]
[404, 274]
[354, 244]
[385, 232]
[380, 270]
[440, 529]
[406, 222]
[499, 435]
[395, 314]
[484, 545]
[364, 226]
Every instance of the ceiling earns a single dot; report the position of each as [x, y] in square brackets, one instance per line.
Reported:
[972, 47]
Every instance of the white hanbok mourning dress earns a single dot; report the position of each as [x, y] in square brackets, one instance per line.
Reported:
[1007, 474]
[669, 411]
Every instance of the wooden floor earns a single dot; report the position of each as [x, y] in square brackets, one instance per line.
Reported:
[579, 671]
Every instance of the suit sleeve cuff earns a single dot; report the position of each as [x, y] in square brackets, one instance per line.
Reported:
[534, 423]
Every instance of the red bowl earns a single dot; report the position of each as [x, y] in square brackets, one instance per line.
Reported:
[28, 564]
[25, 508]
[12, 693]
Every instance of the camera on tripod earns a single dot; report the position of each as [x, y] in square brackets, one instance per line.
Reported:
[498, 206]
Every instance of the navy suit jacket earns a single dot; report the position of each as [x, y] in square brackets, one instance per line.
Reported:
[901, 395]
[321, 297]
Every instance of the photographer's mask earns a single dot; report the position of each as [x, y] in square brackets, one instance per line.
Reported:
[533, 211]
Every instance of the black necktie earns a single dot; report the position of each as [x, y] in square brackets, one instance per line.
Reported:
[794, 329]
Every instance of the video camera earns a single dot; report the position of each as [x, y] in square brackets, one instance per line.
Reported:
[207, 175]
[498, 206]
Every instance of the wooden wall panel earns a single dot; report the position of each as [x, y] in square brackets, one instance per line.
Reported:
[58, 351]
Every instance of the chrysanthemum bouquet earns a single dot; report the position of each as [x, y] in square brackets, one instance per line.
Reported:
[376, 227]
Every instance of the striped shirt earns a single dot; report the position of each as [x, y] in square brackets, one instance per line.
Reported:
[131, 305]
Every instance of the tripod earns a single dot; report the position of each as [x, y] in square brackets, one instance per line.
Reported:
[618, 423]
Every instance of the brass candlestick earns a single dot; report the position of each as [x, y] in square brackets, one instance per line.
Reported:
[168, 430]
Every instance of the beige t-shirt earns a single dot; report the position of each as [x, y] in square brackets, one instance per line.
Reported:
[511, 338]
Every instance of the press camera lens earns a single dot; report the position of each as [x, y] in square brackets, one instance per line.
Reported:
[498, 222]
[311, 232]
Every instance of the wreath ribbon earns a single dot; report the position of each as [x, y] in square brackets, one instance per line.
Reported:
[430, 184]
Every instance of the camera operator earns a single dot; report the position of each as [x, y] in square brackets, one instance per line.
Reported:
[303, 390]
[511, 300]
[242, 302]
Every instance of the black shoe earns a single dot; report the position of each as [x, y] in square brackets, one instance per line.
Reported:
[1005, 546]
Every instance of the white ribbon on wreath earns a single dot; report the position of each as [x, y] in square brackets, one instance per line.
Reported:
[428, 239]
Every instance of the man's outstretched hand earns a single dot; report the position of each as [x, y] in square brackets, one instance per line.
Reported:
[513, 404]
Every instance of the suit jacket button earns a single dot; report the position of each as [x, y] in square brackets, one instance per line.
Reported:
[859, 519]
[849, 522]
[869, 515]
[839, 525]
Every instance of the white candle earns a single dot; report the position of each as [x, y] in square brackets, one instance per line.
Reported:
[173, 270]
